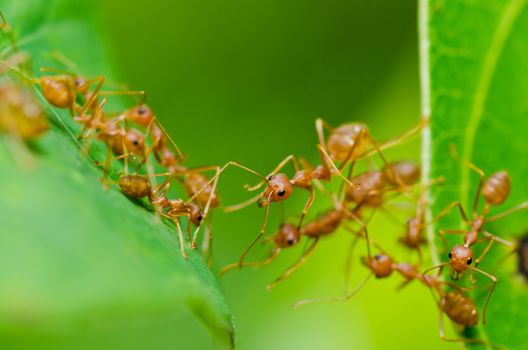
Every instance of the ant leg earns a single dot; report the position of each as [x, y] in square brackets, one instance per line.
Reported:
[442, 233]
[494, 280]
[479, 187]
[343, 298]
[236, 207]
[259, 236]
[519, 207]
[499, 240]
[268, 261]
[219, 172]
[440, 267]
[180, 234]
[320, 125]
[446, 211]
[207, 247]
[328, 161]
[399, 139]
[348, 261]
[100, 81]
[206, 210]
[306, 207]
[290, 158]
[295, 266]
[6, 29]
[363, 228]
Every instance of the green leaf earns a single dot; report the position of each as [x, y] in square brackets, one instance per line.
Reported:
[78, 261]
[475, 88]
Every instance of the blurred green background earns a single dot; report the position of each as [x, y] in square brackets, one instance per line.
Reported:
[244, 81]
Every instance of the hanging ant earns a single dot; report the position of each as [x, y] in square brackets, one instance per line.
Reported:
[495, 191]
[138, 186]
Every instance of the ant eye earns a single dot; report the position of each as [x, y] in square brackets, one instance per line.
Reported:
[449, 255]
[142, 110]
[270, 177]
[199, 218]
[469, 261]
[291, 241]
[135, 142]
[281, 192]
[377, 256]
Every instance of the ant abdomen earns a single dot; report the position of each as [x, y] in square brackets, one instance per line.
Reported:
[20, 114]
[496, 188]
[346, 136]
[326, 224]
[57, 91]
[135, 186]
[369, 188]
[195, 182]
[460, 309]
[402, 172]
[522, 255]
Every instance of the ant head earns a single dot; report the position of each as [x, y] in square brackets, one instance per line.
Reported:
[279, 188]
[195, 214]
[346, 136]
[57, 91]
[141, 114]
[135, 141]
[380, 265]
[460, 258]
[496, 188]
[287, 236]
[80, 85]
[167, 158]
[135, 186]
[403, 172]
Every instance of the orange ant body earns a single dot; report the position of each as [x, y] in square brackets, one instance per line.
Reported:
[290, 235]
[138, 186]
[352, 141]
[20, 115]
[495, 191]
[459, 308]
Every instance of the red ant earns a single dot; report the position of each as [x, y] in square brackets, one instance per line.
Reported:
[352, 141]
[495, 191]
[454, 304]
[289, 235]
[138, 186]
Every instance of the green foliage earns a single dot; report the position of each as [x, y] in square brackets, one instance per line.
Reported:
[476, 90]
[78, 261]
